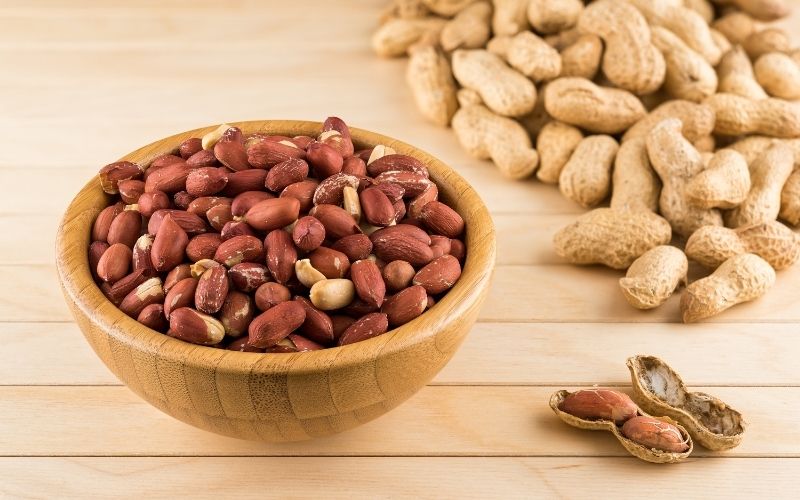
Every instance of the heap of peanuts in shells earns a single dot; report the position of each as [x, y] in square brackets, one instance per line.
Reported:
[683, 114]
[267, 243]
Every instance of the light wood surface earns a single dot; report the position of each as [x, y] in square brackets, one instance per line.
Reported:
[84, 82]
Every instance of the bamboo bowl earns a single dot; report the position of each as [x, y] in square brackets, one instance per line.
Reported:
[277, 397]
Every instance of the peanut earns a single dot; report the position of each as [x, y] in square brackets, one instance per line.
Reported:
[396, 36]
[739, 279]
[735, 72]
[654, 277]
[469, 29]
[579, 102]
[779, 75]
[689, 76]
[432, 85]
[485, 135]
[446, 8]
[553, 16]
[736, 26]
[738, 115]
[723, 184]
[765, 41]
[697, 119]
[582, 58]
[533, 57]
[702, 7]
[555, 144]
[790, 199]
[586, 177]
[636, 185]
[654, 433]
[772, 241]
[510, 17]
[676, 161]
[600, 404]
[504, 90]
[630, 61]
[767, 10]
[687, 24]
[768, 175]
[612, 237]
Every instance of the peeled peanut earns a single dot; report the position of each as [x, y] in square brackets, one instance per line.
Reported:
[331, 294]
[739, 279]
[653, 277]
[772, 241]
[654, 433]
[586, 177]
[597, 404]
[306, 273]
[724, 183]
[768, 174]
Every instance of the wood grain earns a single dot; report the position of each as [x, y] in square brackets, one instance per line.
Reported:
[407, 477]
[436, 421]
[85, 81]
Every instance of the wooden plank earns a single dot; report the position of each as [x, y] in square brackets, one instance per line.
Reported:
[493, 354]
[248, 24]
[521, 238]
[536, 294]
[384, 477]
[449, 420]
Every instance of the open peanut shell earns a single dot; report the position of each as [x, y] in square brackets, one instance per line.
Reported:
[635, 449]
[658, 389]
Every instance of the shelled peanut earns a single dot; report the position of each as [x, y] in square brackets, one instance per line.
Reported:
[266, 243]
[684, 113]
[653, 439]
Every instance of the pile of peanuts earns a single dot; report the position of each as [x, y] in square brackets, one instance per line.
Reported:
[682, 115]
[267, 243]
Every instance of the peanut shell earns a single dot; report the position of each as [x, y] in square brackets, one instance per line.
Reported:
[658, 389]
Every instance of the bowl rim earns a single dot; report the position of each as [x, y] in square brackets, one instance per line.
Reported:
[73, 237]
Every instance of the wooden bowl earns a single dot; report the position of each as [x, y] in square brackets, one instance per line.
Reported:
[277, 397]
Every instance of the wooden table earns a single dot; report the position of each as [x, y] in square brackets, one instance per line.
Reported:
[83, 82]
